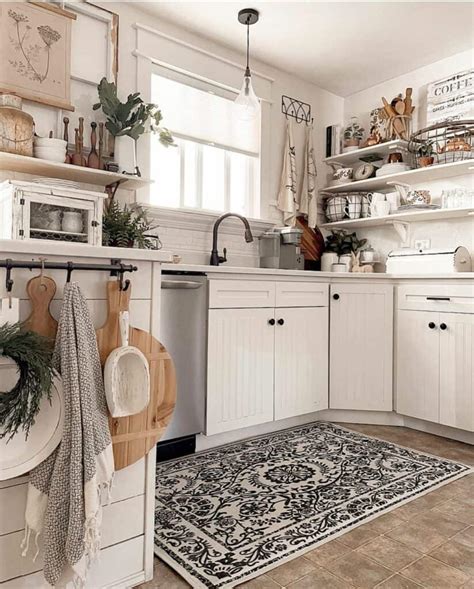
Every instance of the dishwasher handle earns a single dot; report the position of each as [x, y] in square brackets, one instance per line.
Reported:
[180, 284]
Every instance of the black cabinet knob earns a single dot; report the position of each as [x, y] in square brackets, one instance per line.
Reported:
[281, 321]
[443, 326]
[431, 325]
[335, 297]
[271, 321]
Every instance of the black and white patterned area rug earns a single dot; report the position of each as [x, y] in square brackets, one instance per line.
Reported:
[232, 513]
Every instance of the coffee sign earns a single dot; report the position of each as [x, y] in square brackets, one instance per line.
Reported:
[451, 98]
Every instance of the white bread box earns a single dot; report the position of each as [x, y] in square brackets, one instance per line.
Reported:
[431, 261]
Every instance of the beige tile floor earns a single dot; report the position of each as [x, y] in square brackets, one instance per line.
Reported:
[428, 542]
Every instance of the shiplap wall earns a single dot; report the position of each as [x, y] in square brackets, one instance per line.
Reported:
[127, 532]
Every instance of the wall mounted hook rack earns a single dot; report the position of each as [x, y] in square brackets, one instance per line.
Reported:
[116, 268]
[301, 111]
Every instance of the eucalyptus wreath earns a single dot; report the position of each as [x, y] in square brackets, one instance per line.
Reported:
[33, 355]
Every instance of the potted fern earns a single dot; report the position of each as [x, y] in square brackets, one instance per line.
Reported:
[131, 118]
[127, 227]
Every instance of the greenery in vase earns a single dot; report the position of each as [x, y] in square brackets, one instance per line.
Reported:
[126, 227]
[341, 242]
[131, 118]
[426, 149]
[353, 131]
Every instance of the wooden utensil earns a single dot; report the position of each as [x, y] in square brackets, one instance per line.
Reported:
[41, 291]
[93, 159]
[81, 142]
[408, 101]
[66, 139]
[101, 145]
[397, 123]
[76, 158]
[134, 436]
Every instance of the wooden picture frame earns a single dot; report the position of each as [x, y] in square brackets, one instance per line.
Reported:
[35, 44]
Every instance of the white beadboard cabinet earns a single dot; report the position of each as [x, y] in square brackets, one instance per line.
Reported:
[301, 361]
[240, 369]
[435, 367]
[456, 387]
[361, 344]
[265, 362]
[417, 364]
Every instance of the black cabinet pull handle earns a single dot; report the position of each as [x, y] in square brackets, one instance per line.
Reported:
[281, 321]
[443, 326]
[271, 321]
[438, 298]
[335, 297]
[431, 325]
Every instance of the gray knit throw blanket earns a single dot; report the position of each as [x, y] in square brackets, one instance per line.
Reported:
[64, 493]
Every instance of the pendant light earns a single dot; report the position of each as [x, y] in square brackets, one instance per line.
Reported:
[247, 101]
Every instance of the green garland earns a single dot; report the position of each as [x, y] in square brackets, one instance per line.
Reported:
[33, 355]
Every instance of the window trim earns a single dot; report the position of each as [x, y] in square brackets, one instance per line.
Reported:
[253, 196]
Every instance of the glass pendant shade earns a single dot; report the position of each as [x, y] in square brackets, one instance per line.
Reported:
[247, 102]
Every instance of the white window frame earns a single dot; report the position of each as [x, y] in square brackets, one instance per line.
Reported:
[254, 187]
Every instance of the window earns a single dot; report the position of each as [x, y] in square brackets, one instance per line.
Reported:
[216, 163]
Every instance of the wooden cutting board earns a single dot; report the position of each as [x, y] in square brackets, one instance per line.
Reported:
[41, 291]
[133, 437]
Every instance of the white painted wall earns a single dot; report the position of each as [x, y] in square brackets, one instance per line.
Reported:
[443, 233]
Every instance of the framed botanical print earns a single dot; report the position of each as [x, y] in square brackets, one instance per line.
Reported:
[35, 45]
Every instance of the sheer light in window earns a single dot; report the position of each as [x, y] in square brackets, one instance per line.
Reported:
[216, 162]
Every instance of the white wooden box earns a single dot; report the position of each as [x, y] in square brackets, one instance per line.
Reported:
[40, 211]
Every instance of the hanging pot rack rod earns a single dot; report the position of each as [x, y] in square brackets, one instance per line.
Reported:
[116, 268]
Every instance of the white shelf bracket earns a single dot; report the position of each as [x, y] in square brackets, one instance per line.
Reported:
[403, 230]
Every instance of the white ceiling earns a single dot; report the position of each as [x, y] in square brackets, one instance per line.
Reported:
[340, 46]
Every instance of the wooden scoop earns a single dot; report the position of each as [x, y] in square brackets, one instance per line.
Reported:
[41, 291]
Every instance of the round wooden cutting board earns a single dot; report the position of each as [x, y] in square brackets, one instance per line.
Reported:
[133, 437]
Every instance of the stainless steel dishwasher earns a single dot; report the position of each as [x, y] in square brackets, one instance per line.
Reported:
[183, 330]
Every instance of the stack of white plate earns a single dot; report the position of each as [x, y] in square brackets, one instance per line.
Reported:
[394, 168]
[57, 182]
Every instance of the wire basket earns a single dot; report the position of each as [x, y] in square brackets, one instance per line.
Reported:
[443, 143]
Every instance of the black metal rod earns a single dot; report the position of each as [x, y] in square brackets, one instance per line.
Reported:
[72, 266]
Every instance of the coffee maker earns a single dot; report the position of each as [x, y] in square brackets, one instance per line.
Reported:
[281, 248]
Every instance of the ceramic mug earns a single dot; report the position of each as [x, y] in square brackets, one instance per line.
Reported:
[354, 206]
[365, 205]
[381, 209]
[336, 208]
[394, 199]
[375, 197]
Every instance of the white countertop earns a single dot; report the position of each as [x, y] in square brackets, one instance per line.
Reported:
[37, 247]
[312, 274]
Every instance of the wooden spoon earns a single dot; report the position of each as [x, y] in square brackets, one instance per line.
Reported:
[41, 291]
[408, 101]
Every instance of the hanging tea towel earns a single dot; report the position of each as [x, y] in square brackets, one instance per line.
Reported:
[287, 193]
[64, 493]
[308, 201]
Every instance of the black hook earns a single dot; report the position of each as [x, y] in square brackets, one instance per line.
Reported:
[8, 278]
[123, 285]
[70, 268]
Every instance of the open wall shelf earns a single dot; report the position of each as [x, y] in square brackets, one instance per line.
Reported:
[38, 167]
[428, 174]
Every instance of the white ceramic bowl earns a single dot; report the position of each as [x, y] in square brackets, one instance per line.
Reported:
[50, 142]
[52, 154]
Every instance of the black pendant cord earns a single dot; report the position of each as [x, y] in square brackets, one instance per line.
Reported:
[247, 70]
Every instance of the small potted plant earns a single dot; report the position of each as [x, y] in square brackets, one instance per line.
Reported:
[343, 244]
[127, 227]
[353, 134]
[425, 154]
[131, 118]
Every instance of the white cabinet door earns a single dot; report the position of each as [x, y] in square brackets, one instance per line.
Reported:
[240, 368]
[361, 343]
[417, 385]
[301, 361]
[456, 394]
